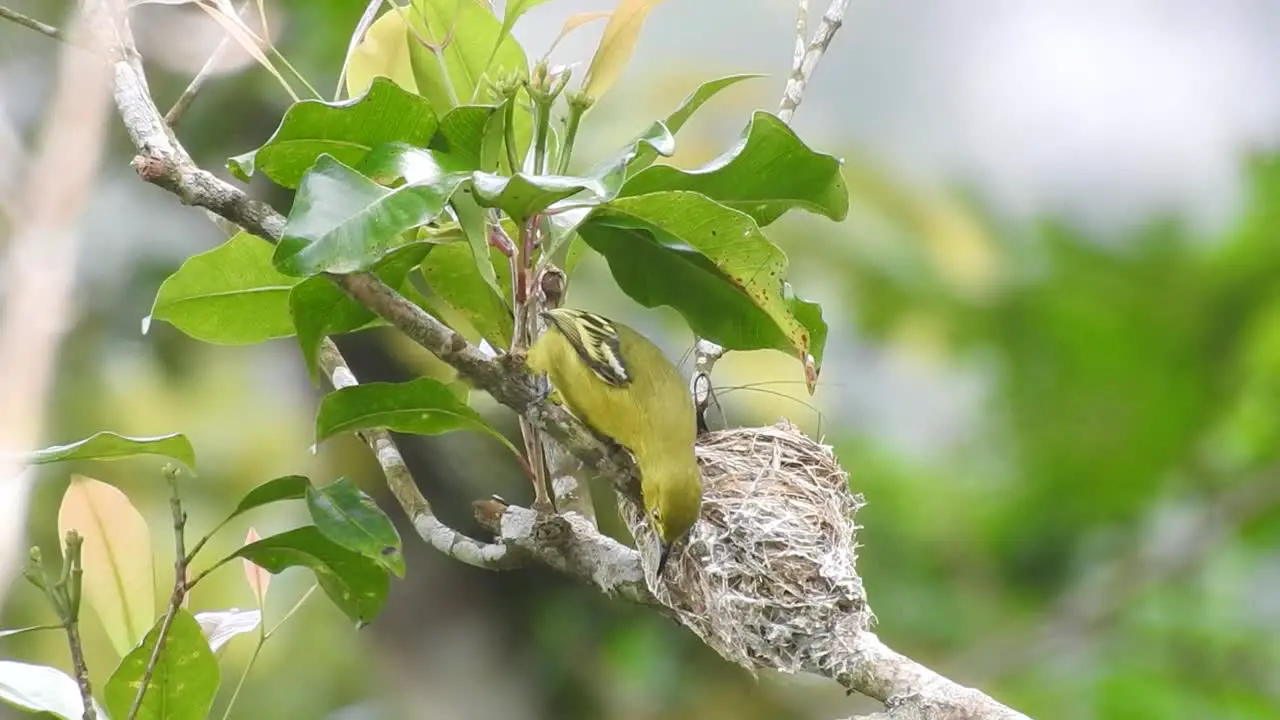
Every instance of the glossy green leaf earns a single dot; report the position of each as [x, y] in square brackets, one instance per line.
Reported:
[769, 172]
[230, 295]
[451, 272]
[461, 135]
[465, 33]
[521, 196]
[42, 689]
[342, 222]
[345, 130]
[712, 264]
[287, 487]
[356, 584]
[690, 105]
[320, 308]
[107, 445]
[421, 407]
[183, 681]
[349, 517]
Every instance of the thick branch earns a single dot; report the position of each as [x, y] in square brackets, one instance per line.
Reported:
[572, 545]
[911, 691]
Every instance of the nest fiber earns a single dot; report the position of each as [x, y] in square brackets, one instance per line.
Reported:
[767, 576]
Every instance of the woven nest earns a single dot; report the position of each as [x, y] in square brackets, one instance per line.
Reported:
[767, 576]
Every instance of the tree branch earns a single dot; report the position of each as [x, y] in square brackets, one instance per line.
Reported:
[567, 543]
[430, 528]
[32, 23]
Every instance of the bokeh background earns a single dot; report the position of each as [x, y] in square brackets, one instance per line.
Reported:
[1054, 365]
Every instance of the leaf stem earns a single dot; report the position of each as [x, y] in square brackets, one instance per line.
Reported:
[578, 106]
[244, 674]
[180, 586]
[510, 130]
[315, 94]
[292, 610]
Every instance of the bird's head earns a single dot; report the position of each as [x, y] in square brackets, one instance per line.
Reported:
[672, 508]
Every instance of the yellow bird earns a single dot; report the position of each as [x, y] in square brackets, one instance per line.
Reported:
[621, 385]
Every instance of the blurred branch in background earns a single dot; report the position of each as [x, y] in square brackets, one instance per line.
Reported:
[1158, 554]
[40, 265]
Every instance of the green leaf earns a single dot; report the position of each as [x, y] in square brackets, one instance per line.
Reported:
[349, 517]
[42, 689]
[356, 584]
[183, 681]
[345, 130]
[712, 264]
[342, 222]
[452, 274]
[461, 135]
[230, 295]
[681, 115]
[466, 33]
[420, 407]
[287, 487]
[769, 172]
[610, 174]
[107, 445]
[521, 196]
[320, 308]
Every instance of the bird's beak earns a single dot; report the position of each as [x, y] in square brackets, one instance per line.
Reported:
[664, 554]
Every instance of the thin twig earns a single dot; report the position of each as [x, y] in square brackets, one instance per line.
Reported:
[180, 105]
[430, 528]
[32, 23]
[804, 62]
[70, 589]
[180, 587]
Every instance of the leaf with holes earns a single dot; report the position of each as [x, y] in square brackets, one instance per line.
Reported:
[119, 571]
[349, 517]
[183, 681]
[345, 130]
[769, 172]
[342, 222]
[230, 295]
[356, 584]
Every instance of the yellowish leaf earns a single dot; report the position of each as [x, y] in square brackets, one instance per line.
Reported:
[384, 51]
[574, 22]
[616, 45]
[257, 576]
[119, 570]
